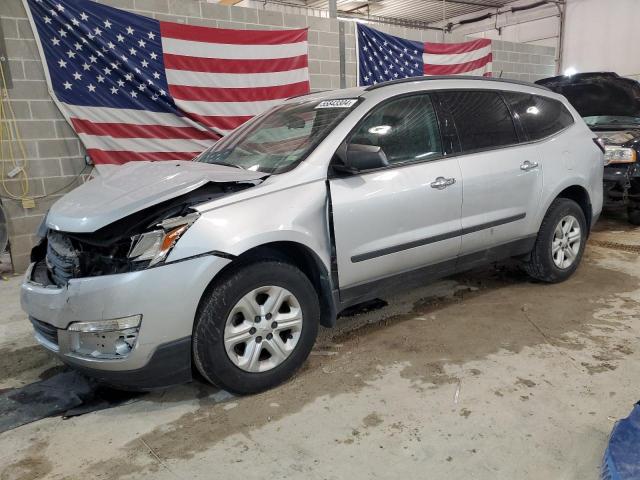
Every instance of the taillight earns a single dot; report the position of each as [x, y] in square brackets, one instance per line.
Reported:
[599, 143]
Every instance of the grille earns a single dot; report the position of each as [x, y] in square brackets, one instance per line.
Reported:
[49, 332]
[62, 260]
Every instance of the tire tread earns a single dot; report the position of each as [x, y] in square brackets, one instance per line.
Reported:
[211, 317]
[538, 266]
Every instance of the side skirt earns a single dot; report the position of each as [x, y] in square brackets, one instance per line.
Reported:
[421, 276]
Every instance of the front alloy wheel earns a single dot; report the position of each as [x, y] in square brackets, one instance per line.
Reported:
[256, 324]
[263, 328]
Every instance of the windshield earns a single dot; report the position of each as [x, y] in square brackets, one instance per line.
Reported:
[281, 138]
[611, 120]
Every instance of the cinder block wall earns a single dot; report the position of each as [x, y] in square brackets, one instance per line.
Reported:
[523, 61]
[54, 154]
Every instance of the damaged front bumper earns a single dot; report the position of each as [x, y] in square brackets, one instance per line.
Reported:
[621, 186]
[130, 330]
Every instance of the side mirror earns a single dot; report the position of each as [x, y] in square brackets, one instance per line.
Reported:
[360, 157]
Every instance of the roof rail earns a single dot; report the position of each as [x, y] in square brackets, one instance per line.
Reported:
[452, 77]
[305, 94]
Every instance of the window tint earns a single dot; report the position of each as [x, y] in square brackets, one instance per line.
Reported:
[540, 116]
[405, 128]
[482, 119]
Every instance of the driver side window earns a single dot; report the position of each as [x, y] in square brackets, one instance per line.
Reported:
[406, 129]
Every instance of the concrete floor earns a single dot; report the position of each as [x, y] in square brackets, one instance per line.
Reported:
[486, 375]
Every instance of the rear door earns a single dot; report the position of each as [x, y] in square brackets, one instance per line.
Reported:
[502, 177]
[405, 216]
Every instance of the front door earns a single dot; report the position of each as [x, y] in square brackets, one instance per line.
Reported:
[399, 218]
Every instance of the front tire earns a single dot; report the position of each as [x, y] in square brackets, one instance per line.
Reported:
[255, 326]
[560, 243]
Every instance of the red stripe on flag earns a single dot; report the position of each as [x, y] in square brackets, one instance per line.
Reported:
[127, 130]
[224, 65]
[118, 157]
[233, 37]
[453, 48]
[253, 94]
[457, 68]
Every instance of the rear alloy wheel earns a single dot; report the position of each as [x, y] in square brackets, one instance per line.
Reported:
[560, 242]
[567, 240]
[255, 326]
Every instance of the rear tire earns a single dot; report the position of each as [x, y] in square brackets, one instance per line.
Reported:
[560, 243]
[237, 342]
[633, 213]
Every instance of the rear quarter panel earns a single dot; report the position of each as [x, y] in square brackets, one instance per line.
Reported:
[571, 158]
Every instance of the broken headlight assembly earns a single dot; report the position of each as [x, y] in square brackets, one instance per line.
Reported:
[155, 245]
[614, 154]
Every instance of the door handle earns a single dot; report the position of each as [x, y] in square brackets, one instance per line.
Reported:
[527, 165]
[441, 183]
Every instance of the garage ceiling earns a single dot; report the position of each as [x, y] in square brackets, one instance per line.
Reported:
[425, 11]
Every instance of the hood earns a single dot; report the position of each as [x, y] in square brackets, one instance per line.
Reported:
[620, 137]
[129, 188]
[598, 93]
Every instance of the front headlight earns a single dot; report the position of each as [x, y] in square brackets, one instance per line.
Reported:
[619, 155]
[156, 244]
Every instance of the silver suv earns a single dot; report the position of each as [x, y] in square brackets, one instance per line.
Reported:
[231, 262]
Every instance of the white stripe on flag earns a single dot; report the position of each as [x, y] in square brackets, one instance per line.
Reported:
[143, 144]
[455, 58]
[227, 109]
[236, 80]
[129, 116]
[233, 52]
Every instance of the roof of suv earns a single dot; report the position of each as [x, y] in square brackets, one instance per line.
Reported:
[355, 92]
[453, 77]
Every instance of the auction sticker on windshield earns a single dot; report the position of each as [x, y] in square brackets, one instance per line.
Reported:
[341, 103]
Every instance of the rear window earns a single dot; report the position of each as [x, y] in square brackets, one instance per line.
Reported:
[540, 117]
[482, 119]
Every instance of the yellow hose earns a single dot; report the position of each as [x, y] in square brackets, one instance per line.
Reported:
[8, 122]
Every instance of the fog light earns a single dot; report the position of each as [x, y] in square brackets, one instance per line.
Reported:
[106, 325]
[104, 339]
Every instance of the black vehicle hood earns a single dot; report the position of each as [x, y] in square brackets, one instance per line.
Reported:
[624, 138]
[598, 93]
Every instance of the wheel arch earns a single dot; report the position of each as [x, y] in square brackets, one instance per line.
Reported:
[578, 194]
[299, 255]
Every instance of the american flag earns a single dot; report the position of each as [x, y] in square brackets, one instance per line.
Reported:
[383, 57]
[135, 88]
